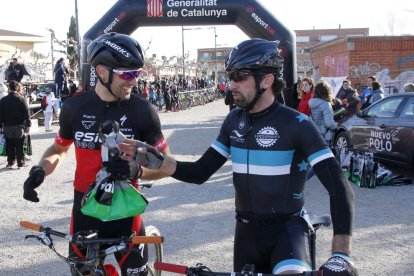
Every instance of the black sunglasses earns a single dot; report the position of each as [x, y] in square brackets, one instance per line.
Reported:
[239, 75]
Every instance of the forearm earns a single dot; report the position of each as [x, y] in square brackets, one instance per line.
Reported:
[167, 168]
[341, 195]
[342, 244]
[52, 157]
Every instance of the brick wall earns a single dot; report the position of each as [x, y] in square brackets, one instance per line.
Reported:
[390, 59]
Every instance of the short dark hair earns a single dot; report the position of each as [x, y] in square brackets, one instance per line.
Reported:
[376, 85]
[373, 78]
[13, 85]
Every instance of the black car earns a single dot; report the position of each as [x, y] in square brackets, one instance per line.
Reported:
[386, 128]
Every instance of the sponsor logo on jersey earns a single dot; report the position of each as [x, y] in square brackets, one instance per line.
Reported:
[123, 119]
[242, 124]
[88, 124]
[267, 137]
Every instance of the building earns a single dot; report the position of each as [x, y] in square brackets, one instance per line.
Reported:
[306, 39]
[19, 45]
[212, 60]
[389, 58]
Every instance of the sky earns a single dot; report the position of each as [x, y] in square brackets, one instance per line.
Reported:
[35, 17]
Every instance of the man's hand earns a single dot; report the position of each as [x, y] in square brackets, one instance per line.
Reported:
[121, 169]
[150, 157]
[144, 154]
[36, 177]
[339, 265]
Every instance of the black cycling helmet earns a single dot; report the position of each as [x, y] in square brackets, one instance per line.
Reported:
[115, 50]
[256, 55]
[259, 56]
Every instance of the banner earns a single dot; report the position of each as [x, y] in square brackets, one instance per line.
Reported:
[335, 82]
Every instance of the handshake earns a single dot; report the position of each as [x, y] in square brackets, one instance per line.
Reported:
[144, 155]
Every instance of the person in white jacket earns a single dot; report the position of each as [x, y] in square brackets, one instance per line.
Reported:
[48, 111]
[321, 110]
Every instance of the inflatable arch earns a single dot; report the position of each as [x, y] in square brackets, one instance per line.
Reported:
[248, 15]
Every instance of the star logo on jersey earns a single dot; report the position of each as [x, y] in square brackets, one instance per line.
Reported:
[302, 117]
[303, 166]
[88, 124]
[267, 137]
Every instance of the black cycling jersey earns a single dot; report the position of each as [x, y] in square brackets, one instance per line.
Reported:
[271, 152]
[81, 117]
[80, 120]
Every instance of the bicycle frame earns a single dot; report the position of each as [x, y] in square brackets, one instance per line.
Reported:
[93, 263]
[201, 270]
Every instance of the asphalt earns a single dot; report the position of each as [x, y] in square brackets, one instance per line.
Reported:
[198, 221]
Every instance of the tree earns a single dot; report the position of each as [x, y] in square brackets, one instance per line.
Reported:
[72, 45]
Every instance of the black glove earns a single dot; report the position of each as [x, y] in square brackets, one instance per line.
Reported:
[36, 177]
[339, 265]
[152, 159]
[121, 169]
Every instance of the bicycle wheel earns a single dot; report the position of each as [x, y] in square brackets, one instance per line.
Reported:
[154, 251]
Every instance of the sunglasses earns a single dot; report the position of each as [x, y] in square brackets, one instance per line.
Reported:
[239, 75]
[127, 75]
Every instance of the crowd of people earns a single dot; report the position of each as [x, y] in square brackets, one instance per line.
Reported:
[270, 146]
[319, 102]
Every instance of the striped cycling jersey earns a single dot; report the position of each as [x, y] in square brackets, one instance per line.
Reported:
[271, 152]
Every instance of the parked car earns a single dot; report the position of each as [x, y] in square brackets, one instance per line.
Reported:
[42, 90]
[386, 128]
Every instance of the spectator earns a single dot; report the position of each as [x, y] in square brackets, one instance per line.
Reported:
[72, 87]
[409, 87]
[15, 71]
[14, 121]
[48, 111]
[377, 93]
[152, 94]
[229, 99]
[307, 92]
[167, 99]
[61, 73]
[367, 91]
[349, 98]
[3, 90]
[65, 93]
[295, 96]
[321, 110]
[79, 90]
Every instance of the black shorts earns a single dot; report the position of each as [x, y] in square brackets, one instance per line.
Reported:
[131, 263]
[272, 246]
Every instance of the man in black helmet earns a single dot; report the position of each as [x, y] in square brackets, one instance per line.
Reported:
[117, 59]
[271, 147]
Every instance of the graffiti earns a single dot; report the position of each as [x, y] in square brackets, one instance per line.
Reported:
[339, 64]
[394, 86]
[402, 61]
[367, 69]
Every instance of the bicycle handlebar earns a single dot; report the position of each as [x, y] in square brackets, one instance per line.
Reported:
[200, 270]
[133, 240]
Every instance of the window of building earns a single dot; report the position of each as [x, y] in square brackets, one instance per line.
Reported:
[302, 38]
[327, 37]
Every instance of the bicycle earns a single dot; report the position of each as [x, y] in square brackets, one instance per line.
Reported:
[93, 263]
[314, 222]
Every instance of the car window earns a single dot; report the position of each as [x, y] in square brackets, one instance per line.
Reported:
[408, 109]
[386, 108]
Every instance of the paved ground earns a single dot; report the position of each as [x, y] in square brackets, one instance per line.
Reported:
[198, 221]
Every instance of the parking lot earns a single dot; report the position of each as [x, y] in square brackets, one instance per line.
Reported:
[198, 221]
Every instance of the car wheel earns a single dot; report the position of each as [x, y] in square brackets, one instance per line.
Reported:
[342, 141]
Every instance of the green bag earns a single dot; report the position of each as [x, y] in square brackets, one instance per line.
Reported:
[112, 200]
[2, 145]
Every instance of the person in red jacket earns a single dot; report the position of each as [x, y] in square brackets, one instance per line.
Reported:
[306, 94]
